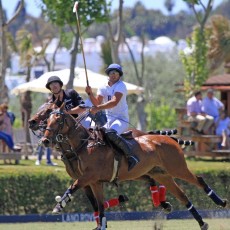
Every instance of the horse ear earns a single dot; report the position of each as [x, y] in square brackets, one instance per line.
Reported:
[62, 107]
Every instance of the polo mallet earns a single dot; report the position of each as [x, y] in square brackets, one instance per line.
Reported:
[79, 32]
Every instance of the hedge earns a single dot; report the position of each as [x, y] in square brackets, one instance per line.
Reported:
[35, 193]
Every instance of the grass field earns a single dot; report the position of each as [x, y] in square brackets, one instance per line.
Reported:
[27, 166]
[214, 224]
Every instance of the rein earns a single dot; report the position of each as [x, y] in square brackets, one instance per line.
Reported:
[62, 139]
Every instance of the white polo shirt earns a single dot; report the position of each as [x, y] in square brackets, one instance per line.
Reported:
[120, 111]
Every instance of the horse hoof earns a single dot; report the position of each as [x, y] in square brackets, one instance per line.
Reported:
[57, 210]
[204, 226]
[123, 198]
[225, 203]
[167, 207]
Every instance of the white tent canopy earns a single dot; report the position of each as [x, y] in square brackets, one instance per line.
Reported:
[95, 81]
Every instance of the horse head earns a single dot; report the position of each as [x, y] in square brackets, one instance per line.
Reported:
[60, 126]
[38, 120]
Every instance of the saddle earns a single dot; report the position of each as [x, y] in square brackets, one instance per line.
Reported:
[98, 137]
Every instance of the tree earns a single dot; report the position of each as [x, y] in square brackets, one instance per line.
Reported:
[115, 38]
[195, 62]
[4, 24]
[169, 5]
[28, 57]
[219, 41]
[60, 13]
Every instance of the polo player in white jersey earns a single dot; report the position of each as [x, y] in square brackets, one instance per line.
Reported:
[112, 98]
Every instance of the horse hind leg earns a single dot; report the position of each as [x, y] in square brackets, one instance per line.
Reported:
[211, 193]
[175, 190]
[200, 183]
[185, 174]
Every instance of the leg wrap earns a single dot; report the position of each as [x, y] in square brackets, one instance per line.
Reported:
[155, 195]
[195, 214]
[96, 217]
[162, 193]
[111, 203]
[66, 198]
[211, 193]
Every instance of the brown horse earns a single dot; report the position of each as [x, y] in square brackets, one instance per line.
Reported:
[160, 157]
[63, 146]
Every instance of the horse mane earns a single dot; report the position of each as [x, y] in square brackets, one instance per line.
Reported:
[44, 106]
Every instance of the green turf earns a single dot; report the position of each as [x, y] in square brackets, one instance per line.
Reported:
[28, 166]
[214, 224]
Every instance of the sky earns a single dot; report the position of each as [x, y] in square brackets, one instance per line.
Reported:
[32, 8]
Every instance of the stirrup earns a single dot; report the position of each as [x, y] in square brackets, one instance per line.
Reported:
[132, 161]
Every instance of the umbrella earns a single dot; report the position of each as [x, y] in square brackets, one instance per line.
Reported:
[95, 81]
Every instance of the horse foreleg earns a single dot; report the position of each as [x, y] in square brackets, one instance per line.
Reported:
[62, 201]
[97, 189]
[66, 198]
[175, 190]
[107, 204]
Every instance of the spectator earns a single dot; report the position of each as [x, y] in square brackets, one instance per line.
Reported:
[223, 129]
[6, 137]
[9, 113]
[40, 152]
[211, 105]
[6, 121]
[195, 113]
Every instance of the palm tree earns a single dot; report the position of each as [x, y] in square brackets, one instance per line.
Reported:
[219, 41]
[28, 56]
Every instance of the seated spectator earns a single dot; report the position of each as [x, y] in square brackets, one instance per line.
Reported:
[7, 140]
[5, 137]
[223, 129]
[211, 105]
[196, 114]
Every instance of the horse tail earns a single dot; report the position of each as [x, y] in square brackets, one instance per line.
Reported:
[183, 142]
[163, 132]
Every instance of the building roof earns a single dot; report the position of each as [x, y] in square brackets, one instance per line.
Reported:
[218, 82]
[223, 79]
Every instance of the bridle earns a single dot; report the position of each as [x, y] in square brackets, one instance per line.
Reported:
[61, 138]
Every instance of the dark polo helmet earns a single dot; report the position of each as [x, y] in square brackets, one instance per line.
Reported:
[53, 79]
[114, 67]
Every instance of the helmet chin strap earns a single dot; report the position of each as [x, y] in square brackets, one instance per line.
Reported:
[56, 94]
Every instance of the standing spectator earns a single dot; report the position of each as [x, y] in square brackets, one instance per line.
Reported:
[223, 129]
[196, 114]
[10, 114]
[6, 125]
[211, 105]
[40, 151]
